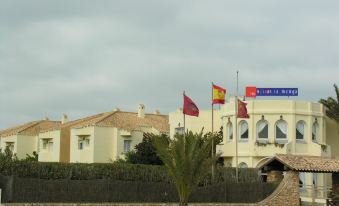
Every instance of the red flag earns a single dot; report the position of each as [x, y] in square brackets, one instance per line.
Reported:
[242, 110]
[189, 107]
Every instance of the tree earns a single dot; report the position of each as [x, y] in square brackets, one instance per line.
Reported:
[187, 159]
[145, 152]
[7, 155]
[332, 105]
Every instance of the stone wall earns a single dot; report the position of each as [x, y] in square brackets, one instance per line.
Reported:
[274, 176]
[287, 193]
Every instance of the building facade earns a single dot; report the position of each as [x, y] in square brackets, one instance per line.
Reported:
[54, 143]
[108, 137]
[195, 124]
[22, 140]
[273, 127]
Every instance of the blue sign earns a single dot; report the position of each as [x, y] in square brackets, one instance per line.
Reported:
[277, 91]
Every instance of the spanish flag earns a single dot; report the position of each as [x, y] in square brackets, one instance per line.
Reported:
[218, 95]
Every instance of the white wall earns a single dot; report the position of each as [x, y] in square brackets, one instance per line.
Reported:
[136, 137]
[53, 155]
[26, 145]
[13, 139]
[196, 124]
[103, 144]
[86, 155]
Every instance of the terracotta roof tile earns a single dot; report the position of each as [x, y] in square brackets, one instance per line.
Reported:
[124, 120]
[130, 121]
[30, 128]
[305, 163]
[78, 122]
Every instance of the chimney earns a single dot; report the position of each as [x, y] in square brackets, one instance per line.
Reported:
[64, 119]
[157, 112]
[141, 111]
[116, 110]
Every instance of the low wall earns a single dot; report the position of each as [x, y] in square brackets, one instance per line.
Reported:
[35, 190]
[287, 193]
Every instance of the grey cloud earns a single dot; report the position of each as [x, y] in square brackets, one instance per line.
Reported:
[84, 57]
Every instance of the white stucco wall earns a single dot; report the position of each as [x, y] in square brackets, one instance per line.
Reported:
[136, 137]
[106, 143]
[103, 144]
[12, 138]
[272, 111]
[87, 154]
[50, 155]
[196, 124]
[26, 145]
[23, 144]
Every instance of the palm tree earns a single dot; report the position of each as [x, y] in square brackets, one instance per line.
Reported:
[332, 105]
[187, 159]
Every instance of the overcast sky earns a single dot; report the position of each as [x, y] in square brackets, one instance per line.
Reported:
[85, 57]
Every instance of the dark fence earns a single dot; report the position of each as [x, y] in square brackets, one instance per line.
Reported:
[18, 189]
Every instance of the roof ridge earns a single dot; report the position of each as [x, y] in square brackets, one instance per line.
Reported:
[30, 126]
[104, 117]
[145, 113]
[78, 121]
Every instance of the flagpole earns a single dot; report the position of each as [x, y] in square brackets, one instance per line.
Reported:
[236, 130]
[184, 117]
[212, 137]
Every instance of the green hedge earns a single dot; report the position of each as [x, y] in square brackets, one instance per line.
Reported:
[112, 171]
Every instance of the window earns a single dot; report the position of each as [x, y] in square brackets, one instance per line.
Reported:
[243, 165]
[243, 130]
[179, 130]
[262, 129]
[315, 131]
[83, 142]
[230, 131]
[44, 143]
[47, 144]
[10, 146]
[127, 145]
[300, 130]
[281, 130]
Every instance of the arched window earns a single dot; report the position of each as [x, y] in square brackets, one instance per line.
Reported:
[300, 130]
[230, 131]
[243, 130]
[262, 129]
[315, 131]
[281, 130]
[243, 165]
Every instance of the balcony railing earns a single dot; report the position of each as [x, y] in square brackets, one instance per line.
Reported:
[314, 195]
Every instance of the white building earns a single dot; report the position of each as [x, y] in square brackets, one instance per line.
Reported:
[112, 134]
[23, 139]
[274, 127]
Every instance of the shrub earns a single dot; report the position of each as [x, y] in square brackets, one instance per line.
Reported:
[111, 171]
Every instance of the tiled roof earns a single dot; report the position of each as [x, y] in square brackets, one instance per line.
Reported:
[31, 128]
[304, 163]
[125, 120]
[77, 122]
[129, 121]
